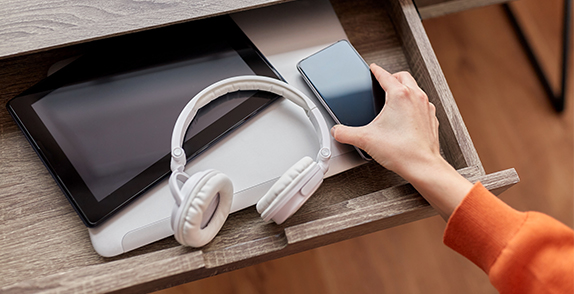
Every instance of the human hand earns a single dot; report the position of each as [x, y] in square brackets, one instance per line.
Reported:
[404, 138]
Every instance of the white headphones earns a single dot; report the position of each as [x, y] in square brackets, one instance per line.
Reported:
[203, 200]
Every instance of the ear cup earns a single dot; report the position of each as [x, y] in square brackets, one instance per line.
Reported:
[177, 180]
[194, 224]
[286, 186]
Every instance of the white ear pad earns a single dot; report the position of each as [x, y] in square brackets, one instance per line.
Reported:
[204, 208]
[292, 189]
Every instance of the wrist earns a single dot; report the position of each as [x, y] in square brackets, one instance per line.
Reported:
[440, 184]
[423, 169]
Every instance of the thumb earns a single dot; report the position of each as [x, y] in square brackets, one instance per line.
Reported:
[346, 135]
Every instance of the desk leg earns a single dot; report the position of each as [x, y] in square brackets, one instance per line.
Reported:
[557, 100]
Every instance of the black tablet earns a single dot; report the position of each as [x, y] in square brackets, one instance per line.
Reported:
[102, 125]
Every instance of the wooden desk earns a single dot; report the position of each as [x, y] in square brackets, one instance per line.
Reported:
[45, 246]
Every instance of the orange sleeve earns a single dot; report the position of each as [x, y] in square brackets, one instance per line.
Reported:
[522, 252]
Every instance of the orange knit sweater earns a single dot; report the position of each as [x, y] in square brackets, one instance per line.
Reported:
[522, 252]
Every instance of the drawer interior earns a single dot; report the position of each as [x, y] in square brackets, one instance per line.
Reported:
[388, 33]
[382, 33]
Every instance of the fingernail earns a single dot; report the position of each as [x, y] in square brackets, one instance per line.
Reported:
[333, 130]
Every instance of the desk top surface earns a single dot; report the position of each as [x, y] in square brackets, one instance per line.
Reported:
[36, 25]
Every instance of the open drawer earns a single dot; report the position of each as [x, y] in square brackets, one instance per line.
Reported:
[46, 248]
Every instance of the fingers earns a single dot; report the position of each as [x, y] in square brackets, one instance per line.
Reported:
[386, 80]
[406, 79]
[434, 123]
[398, 81]
[432, 110]
[348, 135]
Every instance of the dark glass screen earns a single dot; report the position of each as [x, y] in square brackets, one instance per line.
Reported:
[113, 128]
[345, 83]
[102, 125]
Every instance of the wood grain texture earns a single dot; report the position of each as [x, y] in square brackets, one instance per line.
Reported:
[455, 140]
[388, 203]
[114, 276]
[378, 44]
[37, 220]
[368, 213]
[511, 124]
[37, 25]
[435, 8]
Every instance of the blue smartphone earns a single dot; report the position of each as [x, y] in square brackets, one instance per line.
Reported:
[344, 84]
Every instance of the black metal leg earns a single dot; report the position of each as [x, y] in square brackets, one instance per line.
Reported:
[557, 100]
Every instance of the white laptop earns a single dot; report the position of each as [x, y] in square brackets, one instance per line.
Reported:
[256, 154]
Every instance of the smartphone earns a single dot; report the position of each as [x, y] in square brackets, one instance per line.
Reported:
[344, 84]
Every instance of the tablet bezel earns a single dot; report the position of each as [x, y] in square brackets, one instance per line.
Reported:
[116, 56]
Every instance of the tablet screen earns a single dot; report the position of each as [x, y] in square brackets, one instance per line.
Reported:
[103, 124]
[113, 128]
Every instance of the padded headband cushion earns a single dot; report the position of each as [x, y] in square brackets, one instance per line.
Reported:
[290, 178]
[188, 231]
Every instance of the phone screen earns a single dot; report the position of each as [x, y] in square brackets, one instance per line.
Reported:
[344, 84]
[342, 79]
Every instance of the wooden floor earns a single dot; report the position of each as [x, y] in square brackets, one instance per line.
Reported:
[511, 124]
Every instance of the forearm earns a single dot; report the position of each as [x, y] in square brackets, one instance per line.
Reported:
[440, 184]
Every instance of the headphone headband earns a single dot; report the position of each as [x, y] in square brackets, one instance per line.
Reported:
[247, 83]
